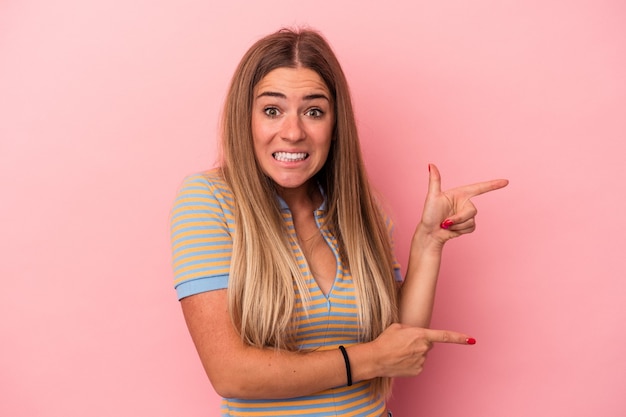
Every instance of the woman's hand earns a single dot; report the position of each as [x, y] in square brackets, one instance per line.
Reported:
[449, 214]
[401, 350]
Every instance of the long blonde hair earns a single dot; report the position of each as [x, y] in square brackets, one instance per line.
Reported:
[262, 276]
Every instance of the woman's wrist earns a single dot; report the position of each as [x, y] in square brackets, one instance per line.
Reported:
[425, 240]
[362, 362]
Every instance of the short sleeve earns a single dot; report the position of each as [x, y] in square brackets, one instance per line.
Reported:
[202, 226]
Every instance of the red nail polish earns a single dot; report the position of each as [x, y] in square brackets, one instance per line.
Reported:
[446, 224]
[428, 167]
[470, 341]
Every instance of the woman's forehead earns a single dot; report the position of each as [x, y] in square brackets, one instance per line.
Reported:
[291, 81]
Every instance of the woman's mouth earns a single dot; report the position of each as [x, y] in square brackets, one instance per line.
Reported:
[290, 156]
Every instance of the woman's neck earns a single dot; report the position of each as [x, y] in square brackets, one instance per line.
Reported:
[306, 197]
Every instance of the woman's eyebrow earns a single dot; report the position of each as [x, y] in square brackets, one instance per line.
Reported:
[308, 97]
[316, 96]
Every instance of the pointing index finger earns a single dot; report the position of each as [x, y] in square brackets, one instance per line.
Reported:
[447, 336]
[479, 188]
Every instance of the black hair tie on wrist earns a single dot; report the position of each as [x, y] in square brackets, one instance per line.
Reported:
[347, 361]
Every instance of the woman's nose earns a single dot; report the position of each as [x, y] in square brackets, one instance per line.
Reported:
[292, 128]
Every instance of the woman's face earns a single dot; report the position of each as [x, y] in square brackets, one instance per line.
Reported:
[292, 125]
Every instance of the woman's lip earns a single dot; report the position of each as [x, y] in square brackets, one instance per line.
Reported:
[286, 156]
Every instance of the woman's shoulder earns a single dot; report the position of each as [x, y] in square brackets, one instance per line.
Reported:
[211, 177]
[207, 185]
[209, 180]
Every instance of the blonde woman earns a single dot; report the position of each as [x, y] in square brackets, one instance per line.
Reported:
[283, 259]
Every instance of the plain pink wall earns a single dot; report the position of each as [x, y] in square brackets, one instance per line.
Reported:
[106, 105]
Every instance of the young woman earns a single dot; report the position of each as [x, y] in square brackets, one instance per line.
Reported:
[283, 259]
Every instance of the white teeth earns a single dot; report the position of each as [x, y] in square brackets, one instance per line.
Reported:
[290, 157]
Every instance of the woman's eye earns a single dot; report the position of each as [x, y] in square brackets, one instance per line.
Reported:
[315, 113]
[271, 111]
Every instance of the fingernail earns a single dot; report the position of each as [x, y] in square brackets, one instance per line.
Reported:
[428, 167]
[446, 224]
[470, 341]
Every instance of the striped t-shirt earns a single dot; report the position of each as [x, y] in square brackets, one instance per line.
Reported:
[202, 228]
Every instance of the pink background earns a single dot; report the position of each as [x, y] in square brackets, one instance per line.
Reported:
[106, 105]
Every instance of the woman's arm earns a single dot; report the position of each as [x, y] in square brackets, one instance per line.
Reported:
[240, 371]
[446, 215]
[417, 293]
